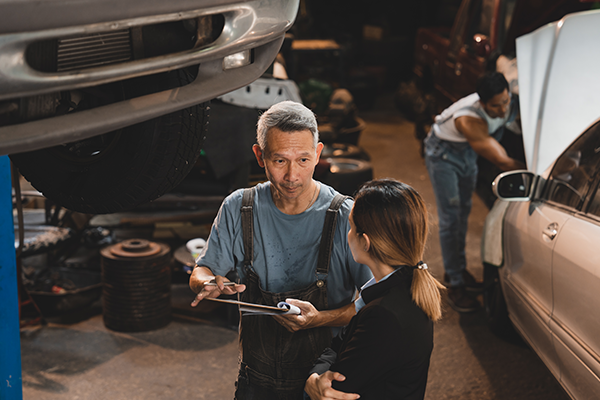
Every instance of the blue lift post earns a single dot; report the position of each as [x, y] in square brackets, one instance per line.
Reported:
[11, 385]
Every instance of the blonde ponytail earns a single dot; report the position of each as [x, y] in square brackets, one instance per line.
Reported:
[426, 293]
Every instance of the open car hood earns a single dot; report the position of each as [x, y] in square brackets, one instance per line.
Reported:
[559, 85]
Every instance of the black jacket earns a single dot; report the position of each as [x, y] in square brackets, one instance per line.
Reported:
[384, 352]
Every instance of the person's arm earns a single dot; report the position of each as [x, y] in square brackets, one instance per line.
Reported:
[218, 252]
[375, 346]
[310, 317]
[475, 130]
[318, 384]
[198, 283]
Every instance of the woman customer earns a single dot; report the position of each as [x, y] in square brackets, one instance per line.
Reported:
[384, 352]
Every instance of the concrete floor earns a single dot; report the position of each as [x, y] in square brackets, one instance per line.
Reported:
[195, 357]
[83, 360]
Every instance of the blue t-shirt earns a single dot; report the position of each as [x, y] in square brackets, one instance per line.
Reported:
[286, 247]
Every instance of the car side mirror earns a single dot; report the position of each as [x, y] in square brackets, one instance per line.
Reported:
[481, 45]
[514, 185]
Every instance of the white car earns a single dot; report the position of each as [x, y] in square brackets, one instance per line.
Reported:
[541, 247]
[100, 100]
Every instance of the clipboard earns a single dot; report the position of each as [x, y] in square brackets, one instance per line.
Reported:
[282, 307]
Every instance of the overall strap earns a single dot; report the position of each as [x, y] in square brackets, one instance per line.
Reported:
[328, 234]
[248, 226]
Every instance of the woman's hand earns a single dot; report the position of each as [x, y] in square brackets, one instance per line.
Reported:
[318, 387]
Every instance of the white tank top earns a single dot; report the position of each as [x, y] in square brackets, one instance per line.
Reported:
[445, 128]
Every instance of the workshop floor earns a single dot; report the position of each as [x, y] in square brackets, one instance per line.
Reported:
[196, 355]
[79, 359]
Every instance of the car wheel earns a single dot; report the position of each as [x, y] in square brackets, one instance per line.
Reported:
[346, 175]
[119, 170]
[495, 304]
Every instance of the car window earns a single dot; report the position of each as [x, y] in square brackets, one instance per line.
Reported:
[505, 15]
[575, 170]
[461, 26]
[595, 204]
[480, 18]
[485, 20]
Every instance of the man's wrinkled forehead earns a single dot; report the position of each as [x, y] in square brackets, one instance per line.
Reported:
[291, 137]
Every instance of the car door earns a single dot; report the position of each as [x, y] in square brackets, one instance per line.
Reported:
[531, 233]
[575, 322]
[527, 275]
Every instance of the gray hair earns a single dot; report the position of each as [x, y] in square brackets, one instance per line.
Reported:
[287, 116]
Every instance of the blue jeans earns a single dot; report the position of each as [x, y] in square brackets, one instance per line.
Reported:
[452, 169]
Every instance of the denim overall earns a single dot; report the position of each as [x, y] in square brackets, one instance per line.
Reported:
[275, 362]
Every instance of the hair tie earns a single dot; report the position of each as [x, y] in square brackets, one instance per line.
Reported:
[421, 265]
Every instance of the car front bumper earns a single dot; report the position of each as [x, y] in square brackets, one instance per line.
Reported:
[257, 25]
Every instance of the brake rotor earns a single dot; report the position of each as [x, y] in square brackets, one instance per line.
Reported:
[135, 248]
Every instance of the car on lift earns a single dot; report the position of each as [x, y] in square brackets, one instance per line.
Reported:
[541, 238]
[103, 102]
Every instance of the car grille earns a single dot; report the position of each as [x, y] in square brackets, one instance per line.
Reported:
[78, 53]
[93, 50]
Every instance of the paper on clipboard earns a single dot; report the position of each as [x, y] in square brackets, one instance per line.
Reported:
[282, 307]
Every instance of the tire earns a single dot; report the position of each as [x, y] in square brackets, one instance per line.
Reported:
[121, 169]
[495, 304]
[346, 175]
[344, 150]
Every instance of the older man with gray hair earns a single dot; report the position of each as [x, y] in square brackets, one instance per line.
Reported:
[286, 239]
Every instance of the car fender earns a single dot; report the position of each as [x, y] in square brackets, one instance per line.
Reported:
[492, 247]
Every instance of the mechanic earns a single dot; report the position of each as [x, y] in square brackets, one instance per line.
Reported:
[470, 127]
[285, 239]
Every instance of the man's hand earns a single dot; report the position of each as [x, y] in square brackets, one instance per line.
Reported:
[310, 317]
[318, 387]
[306, 319]
[198, 283]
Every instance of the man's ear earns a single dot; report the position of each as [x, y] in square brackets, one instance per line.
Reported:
[319, 150]
[259, 155]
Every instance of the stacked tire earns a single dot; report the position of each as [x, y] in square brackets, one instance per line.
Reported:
[136, 286]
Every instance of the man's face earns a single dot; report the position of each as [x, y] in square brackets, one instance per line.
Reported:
[498, 105]
[289, 161]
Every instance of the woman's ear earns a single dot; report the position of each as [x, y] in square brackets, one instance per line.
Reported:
[366, 242]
